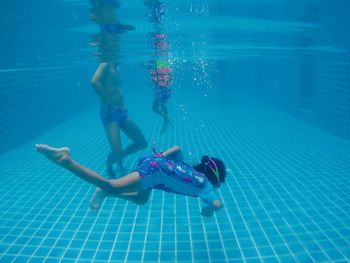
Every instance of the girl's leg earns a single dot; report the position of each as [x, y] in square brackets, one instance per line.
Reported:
[138, 198]
[61, 156]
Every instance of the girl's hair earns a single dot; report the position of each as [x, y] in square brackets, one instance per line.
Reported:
[214, 169]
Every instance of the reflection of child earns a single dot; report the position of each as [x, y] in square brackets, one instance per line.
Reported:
[164, 171]
[161, 77]
[155, 11]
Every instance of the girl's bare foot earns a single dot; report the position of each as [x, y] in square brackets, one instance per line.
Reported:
[97, 198]
[57, 155]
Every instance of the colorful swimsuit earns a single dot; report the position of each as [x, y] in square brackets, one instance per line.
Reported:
[158, 172]
[162, 79]
[161, 93]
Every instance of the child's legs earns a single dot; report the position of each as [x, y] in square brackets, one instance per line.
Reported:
[139, 198]
[113, 135]
[128, 183]
[156, 107]
[164, 108]
[134, 133]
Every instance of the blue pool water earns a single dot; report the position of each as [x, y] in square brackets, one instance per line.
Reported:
[263, 85]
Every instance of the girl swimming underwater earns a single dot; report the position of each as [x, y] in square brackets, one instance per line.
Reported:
[164, 171]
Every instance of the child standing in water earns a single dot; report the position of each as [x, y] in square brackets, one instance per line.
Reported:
[164, 171]
[107, 84]
[161, 78]
[114, 115]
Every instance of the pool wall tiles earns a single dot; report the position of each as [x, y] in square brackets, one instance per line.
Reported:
[34, 100]
[312, 81]
[317, 91]
[43, 78]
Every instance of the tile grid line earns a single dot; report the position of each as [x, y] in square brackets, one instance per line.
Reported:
[161, 228]
[208, 134]
[310, 218]
[131, 234]
[118, 230]
[182, 141]
[62, 213]
[247, 160]
[188, 136]
[70, 220]
[28, 200]
[104, 229]
[229, 187]
[52, 198]
[147, 228]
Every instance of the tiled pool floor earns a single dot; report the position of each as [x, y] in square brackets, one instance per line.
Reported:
[287, 196]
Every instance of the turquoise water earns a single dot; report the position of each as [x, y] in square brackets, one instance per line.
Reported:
[286, 197]
[262, 85]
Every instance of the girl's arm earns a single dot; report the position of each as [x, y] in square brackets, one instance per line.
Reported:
[173, 153]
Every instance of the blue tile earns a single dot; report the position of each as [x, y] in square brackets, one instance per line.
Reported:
[250, 252]
[67, 260]
[151, 256]
[200, 255]
[87, 254]
[253, 260]
[57, 252]
[50, 260]
[266, 251]
[303, 257]
[319, 256]
[284, 193]
[183, 246]
[71, 253]
[271, 259]
[28, 250]
[42, 252]
[167, 256]
[102, 255]
[334, 254]
[22, 240]
[62, 242]
[340, 243]
[7, 258]
[184, 256]
[261, 241]
[288, 259]
[246, 243]
[281, 249]
[297, 248]
[21, 259]
[217, 254]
